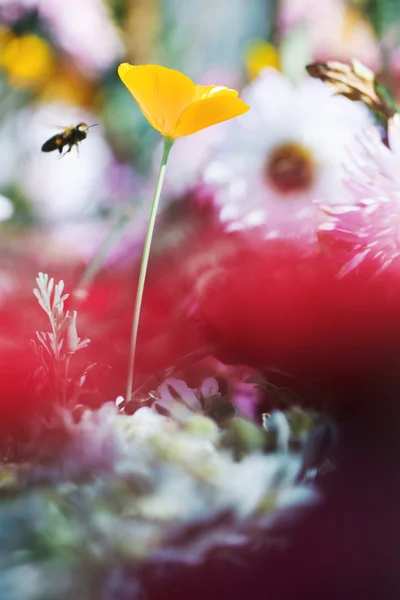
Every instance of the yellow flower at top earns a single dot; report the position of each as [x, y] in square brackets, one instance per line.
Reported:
[260, 55]
[27, 60]
[174, 105]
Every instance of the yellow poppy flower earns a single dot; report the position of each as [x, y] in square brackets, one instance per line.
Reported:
[174, 105]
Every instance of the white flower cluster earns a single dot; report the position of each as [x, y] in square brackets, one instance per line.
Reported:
[184, 474]
[146, 489]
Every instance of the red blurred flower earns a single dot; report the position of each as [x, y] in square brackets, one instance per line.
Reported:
[105, 317]
[166, 333]
[258, 304]
[17, 361]
[274, 307]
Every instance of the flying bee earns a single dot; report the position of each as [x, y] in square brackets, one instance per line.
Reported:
[71, 136]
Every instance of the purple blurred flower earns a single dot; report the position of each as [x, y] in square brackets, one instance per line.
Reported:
[285, 154]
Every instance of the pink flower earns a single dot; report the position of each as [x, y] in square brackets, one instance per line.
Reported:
[285, 154]
[369, 227]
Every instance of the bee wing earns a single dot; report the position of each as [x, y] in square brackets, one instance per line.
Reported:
[51, 126]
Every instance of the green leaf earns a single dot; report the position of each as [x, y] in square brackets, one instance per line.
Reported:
[295, 51]
[382, 14]
[243, 437]
[117, 9]
[386, 95]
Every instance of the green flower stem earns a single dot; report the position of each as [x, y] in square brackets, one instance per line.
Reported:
[143, 267]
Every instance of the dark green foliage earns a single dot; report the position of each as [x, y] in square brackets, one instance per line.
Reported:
[383, 14]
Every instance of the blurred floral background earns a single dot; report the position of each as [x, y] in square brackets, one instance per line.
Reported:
[266, 383]
[57, 70]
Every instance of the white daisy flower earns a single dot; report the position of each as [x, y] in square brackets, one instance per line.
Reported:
[277, 161]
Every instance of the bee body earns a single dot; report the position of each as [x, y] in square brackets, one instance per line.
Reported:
[70, 137]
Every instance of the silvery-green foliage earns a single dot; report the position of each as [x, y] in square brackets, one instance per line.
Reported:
[56, 347]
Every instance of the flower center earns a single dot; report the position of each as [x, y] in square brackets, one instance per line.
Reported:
[290, 168]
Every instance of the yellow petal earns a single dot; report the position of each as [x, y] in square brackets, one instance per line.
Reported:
[27, 60]
[161, 93]
[206, 91]
[204, 113]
